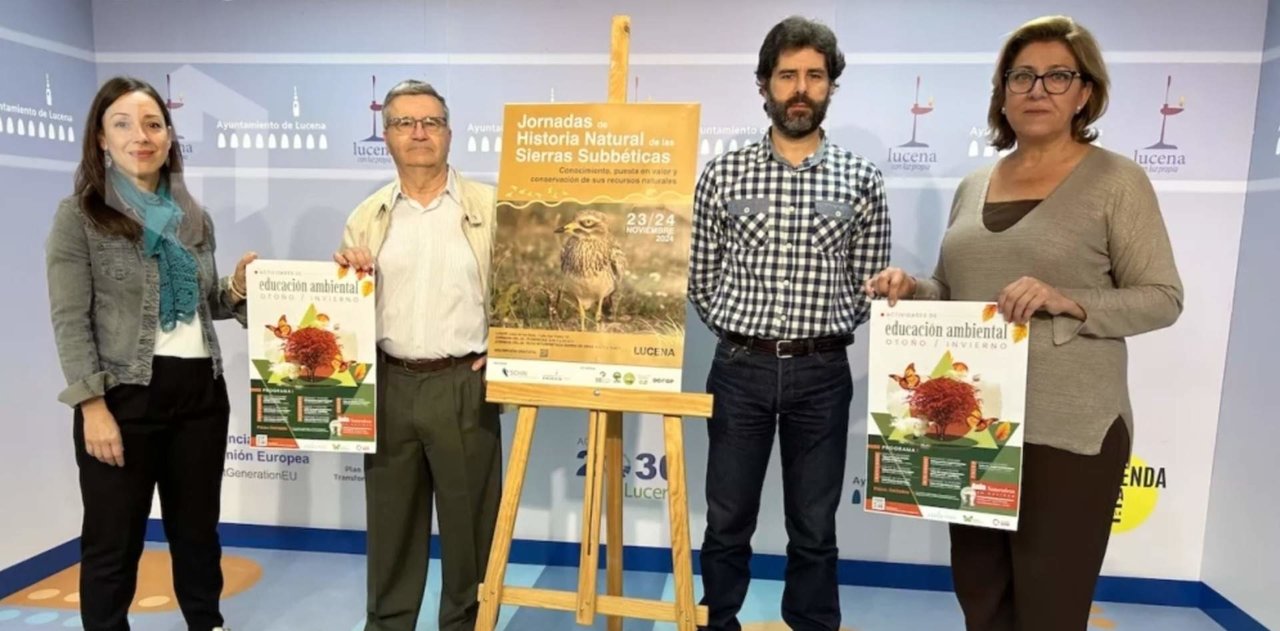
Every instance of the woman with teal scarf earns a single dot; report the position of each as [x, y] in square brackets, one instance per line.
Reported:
[133, 293]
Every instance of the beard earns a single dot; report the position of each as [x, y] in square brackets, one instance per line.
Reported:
[796, 125]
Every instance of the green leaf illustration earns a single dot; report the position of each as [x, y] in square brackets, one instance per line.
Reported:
[264, 369]
[1011, 457]
[1013, 429]
[361, 369]
[943, 367]
[884, 422]
[309, 319]
[983, 439]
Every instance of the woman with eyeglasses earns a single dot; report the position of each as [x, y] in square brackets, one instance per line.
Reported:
[1067, 236]
[133, 293]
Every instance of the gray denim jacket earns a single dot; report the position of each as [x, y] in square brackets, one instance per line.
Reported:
[104, 298]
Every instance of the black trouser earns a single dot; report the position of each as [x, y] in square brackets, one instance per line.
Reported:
[174, 433]
[438, 441]
[806, 401]
[1042, 577]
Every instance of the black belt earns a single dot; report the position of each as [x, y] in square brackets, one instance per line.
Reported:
[429, 365]
[790, 348]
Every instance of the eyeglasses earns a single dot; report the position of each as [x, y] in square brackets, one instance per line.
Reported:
[1054, 81]
[406, 124]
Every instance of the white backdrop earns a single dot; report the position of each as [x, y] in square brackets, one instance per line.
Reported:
[1244, 505]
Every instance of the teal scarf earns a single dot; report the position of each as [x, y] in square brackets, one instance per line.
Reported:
[179, 284]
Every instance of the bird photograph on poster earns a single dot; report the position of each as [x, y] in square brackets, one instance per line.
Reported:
[600, 267]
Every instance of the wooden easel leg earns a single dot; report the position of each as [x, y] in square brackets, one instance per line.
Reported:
[619, 70]
[592, 496]
[613, 491]
[678, 504]
[496, 572]
[619, 58]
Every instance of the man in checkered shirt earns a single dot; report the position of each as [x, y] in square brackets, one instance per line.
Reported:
[785, 232]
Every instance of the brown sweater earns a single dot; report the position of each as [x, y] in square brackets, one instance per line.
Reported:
[1099, 238]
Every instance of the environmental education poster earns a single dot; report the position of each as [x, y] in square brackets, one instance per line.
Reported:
[312, 357]
[946, 418]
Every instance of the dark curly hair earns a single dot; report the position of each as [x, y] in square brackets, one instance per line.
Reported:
[793, 33]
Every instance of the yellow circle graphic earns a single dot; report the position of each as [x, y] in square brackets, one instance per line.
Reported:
[1138, 496]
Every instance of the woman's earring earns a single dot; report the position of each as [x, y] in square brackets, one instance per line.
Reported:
[106, 158]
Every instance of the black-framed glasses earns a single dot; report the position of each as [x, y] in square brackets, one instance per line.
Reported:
[406, 124]
[1055, 81]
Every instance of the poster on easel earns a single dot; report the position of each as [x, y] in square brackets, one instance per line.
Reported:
[591, 251]
[946, 412]
[312, 357]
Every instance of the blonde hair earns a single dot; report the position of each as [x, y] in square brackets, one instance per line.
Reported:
[1093, 71]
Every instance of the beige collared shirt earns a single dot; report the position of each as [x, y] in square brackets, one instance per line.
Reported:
[431, 302]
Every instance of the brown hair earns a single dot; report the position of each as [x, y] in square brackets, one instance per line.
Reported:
[91, 175]
[1083, 46]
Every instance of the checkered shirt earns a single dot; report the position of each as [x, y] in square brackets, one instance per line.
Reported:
[781, 252]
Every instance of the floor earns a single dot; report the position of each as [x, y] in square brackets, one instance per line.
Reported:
[270, 590]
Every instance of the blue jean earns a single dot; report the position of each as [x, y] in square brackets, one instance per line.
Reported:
[805, 400]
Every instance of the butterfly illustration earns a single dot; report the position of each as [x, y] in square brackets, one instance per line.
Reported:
[360, 371]
[1003, 431]
[281, 329]
[909, 380]
[340, 364]
[977, 422]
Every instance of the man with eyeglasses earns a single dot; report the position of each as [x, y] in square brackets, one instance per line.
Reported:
[428, 237]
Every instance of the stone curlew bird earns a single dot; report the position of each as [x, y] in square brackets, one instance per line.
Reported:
[592, 264]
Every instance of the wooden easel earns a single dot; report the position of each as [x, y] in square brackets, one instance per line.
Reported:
[605, 408]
